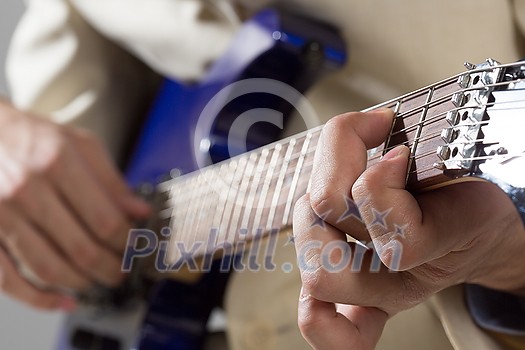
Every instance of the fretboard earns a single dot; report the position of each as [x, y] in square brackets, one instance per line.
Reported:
[254, 194]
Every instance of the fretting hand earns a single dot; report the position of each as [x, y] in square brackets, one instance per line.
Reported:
[465, 233]
[64, 211]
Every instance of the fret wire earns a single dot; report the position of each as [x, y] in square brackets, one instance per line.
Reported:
[254, 186]
[185, 232]
[174, 192]
[238, 176]
[266, 186]
[436, 118]
[427, 104]
[202, 200]
[319, 129]
[442, 115]
[314, 142]
[228, 205]
[415, 93]
[443, 83]
[196, 207]
[221, 203]
[240, 202]
[204, 224]
[422, 121]
[408, 144]
[295, 180]
[412, 95]
[279, 185]
[445, 98]
[183, 210]
[419, 131]
[396, 112]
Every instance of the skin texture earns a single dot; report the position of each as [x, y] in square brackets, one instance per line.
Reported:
[64, 211]
[465, 233]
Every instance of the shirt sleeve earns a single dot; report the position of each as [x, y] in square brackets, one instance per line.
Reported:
[59, 67]
[496, 311]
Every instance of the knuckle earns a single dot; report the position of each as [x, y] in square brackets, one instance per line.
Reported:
[46, 274]
[324, 199]
[19, 190]
[363, 186]
[335, 124]
[108, 227]
[87, 256]
[394, 257]
[306, 325]
[316, 283]
[54, 157]
[302, 207]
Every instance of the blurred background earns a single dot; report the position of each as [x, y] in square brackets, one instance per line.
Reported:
[20, 327]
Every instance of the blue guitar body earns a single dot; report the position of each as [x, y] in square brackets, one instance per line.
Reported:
[273, 45]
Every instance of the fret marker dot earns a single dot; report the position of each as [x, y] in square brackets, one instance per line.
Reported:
[287, 267]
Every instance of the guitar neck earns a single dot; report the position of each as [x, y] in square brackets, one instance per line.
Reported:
[253, 194]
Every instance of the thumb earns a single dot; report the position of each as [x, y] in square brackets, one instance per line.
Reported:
[335, 326]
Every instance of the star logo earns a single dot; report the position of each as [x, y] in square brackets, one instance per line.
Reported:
[380, 218]
[400, 231]
[291, 240]
[320, 220]
[352, 210]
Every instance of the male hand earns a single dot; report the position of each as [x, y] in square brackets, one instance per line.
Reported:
[464, 233]
[64, 211]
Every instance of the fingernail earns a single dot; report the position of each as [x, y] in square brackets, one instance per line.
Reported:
[398, 152]
[67, 304]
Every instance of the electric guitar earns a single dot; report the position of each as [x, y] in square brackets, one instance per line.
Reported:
[272, 54]
[467, 127]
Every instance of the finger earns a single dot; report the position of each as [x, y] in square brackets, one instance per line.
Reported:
[91, 204]
[29, 248]
[12, 284]
[326, 326]
[105, 171]
[392, 214]
[48, 212]
[335, 172]
[334, 271]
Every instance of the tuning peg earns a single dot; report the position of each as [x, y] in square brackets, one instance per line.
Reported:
[469, 66]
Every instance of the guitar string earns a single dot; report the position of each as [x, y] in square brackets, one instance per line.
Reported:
[465, 107]
[411, 95]
[443, 83]
[434, 119]
[310, 161]
[420, 139]
[307, 166]
[310, 164]
[446, 98]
